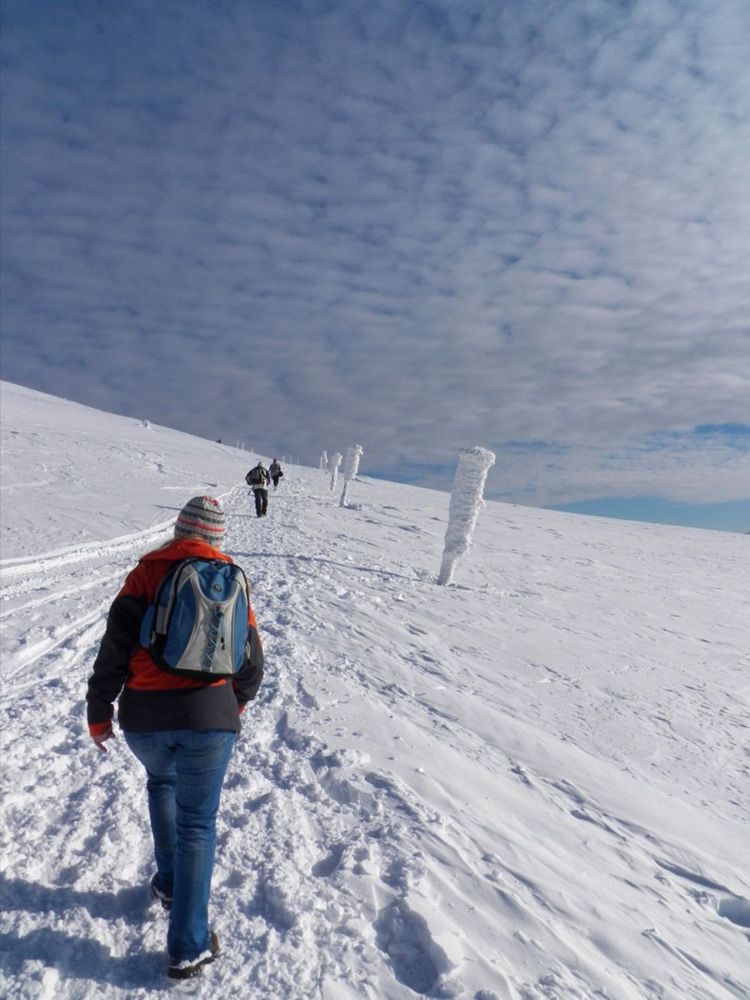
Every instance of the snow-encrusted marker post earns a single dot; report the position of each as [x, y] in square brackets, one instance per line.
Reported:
[466, 502]
[323, 466]
[351, 467]
[333, 465]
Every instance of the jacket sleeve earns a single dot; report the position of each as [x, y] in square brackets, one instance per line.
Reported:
[120, 639]
[247, 681]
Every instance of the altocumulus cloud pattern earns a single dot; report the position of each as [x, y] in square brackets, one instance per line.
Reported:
[419, 226]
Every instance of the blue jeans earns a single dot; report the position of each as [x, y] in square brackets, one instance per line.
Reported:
[185, 774]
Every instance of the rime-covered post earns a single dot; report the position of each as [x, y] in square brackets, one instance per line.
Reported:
[466, 502]
[323, 466]
[351, 466]
[333, 465]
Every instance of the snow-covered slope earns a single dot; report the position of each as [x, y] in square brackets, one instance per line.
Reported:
[530, 784]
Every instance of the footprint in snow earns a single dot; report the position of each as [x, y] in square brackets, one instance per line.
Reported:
[405, 938]
[736, 909]
[328, 865]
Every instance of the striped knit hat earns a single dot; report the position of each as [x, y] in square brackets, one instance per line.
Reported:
[201, 517]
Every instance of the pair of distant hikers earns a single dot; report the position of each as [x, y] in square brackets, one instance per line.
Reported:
[259, 478]
[180, 726]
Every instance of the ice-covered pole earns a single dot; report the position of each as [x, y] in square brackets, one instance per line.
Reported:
[323, 466]
[333, 465]
[466, 502]
[351, 466]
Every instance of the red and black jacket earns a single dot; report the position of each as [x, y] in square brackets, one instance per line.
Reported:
[153, 699]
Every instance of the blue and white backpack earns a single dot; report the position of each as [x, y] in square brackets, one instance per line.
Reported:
[197, 626]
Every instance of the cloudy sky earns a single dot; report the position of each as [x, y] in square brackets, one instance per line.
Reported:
[521, 224]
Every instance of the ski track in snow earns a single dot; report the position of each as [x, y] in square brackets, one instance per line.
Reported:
[324, 862]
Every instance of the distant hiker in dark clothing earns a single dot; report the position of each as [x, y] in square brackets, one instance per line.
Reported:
[180, 728]
[259, 479]
[275, 472]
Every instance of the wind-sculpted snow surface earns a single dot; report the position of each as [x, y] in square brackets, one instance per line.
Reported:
[531, 785]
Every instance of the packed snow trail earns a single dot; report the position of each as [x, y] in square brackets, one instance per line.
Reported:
[290, 819]
[349, 865]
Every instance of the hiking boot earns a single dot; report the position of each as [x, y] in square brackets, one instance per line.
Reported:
[156, 893]
[192, 967]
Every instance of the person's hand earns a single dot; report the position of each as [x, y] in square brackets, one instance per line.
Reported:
[100, 733]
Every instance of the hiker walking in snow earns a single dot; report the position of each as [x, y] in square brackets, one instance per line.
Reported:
[181, 727]
[259, 479]
[275, 472]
